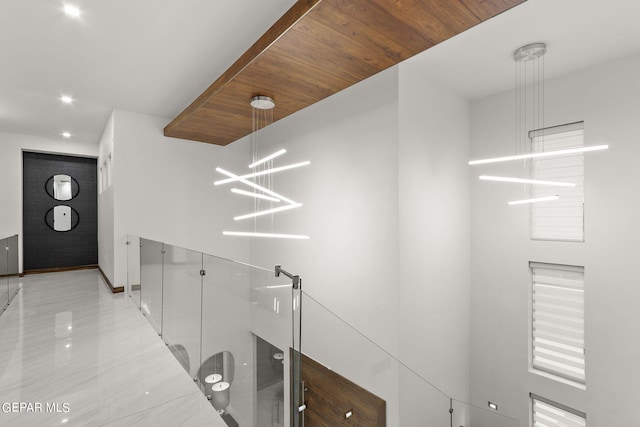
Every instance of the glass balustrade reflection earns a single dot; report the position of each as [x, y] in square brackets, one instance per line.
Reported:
[181, 305]
[151, 258]
[133, 269]
[229, 325]
[241, 307]
[410, 399]
[9, 271]
[13, 267]
[343, 351]
[252, 343]
[4, 274]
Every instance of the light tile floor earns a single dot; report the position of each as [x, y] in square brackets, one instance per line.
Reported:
[89, 358]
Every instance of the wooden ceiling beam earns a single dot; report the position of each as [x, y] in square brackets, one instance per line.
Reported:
[318, 48]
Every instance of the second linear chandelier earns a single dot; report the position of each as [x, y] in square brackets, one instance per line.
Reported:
[529, 61]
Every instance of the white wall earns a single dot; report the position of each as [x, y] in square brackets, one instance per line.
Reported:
[162, 190]
[11, 148]
[105, 204]
[607, 99]
[434, 205]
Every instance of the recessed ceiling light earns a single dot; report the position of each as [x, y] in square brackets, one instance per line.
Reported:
[72, 11]
[66, 135]
[66, 99]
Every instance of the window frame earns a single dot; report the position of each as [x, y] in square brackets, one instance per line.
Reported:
[550, 373]
[533, 397]
[554, 130]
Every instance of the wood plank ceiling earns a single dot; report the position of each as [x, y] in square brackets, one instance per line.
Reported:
[318, 48]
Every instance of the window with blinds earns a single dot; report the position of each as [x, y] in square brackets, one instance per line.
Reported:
[547, 413]
[562, 219]
[558, 320]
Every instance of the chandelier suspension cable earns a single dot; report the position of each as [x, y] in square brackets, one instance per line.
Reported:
[254, 158]
[261, 116]
[529, 89]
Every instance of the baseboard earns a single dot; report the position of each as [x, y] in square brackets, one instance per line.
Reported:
[114, 290]
[60, 269]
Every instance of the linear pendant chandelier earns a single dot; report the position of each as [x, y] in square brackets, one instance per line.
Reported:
[532, 54]
[260, 180]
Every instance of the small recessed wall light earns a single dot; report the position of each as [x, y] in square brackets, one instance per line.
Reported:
[66, 135]
[72, 11]
[66, 99]
[492, 405]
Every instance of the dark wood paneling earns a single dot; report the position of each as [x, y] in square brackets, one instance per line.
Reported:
[329, 396]
[318, 48]
[44, 248]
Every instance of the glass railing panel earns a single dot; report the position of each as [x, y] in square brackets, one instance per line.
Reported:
[409, 398]
[151, 255]
[13, 267]
[420, 403]
[181, 310]
[342, 350]
[246, 335]
[297, 385]
[271, 321]
[133, 269]
[4, 274]
[466, 415]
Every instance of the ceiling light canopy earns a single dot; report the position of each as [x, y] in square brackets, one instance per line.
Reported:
[66, 134]
[263, 102]
[530, 52]
[66, 99]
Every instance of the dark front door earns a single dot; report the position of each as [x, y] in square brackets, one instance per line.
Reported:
[60, 211]
[332, 400]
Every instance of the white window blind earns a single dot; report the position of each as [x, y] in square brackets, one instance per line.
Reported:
[551, 414]
[558, 320]
[562, 219]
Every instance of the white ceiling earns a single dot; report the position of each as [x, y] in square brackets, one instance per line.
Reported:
[578, 34]
[156, 56]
